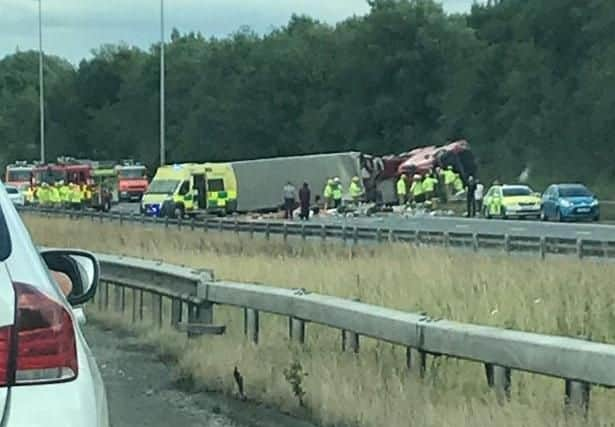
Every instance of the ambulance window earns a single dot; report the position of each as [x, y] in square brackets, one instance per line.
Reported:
[215, 185]
[184, 188]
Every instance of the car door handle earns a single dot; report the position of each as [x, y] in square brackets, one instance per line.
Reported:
[80, 315]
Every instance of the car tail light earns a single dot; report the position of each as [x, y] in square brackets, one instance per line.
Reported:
[5, 354]
[45, 339]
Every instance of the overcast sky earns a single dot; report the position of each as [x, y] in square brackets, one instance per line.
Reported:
[72, 28]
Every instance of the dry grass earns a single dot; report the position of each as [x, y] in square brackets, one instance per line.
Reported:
[560, 296]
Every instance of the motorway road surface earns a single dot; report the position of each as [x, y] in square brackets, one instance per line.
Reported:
[141, 391]
[587, 231]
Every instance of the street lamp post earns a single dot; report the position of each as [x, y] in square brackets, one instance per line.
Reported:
[41, 80]
[162, 123]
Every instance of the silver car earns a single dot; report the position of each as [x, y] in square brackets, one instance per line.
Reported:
[48, 375]
[15, 195]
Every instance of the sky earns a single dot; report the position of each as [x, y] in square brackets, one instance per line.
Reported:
[72, 28]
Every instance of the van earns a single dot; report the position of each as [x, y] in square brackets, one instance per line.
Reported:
[190, 189]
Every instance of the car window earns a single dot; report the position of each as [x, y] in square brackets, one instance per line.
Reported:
[215, 185]
[517, 191]
[12, 190]
[575, 191]
[5, 238]
[184, 188]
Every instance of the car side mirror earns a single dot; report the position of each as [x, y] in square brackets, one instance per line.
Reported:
[81, 267]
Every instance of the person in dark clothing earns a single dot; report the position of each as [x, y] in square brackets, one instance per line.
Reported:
[470, 200]
[304, 201]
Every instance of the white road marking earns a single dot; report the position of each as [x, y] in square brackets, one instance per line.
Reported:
[585, 233]
[461, 226]
[518, 229]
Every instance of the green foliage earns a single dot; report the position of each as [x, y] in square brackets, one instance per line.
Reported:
[526, 82]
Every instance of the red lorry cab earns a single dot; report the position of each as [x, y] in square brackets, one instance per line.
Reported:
[19, 174]
[132, 181]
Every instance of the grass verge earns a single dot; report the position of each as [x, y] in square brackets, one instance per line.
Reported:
[561, 296]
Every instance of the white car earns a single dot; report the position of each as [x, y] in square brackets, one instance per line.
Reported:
[15, 195]
[48, 375]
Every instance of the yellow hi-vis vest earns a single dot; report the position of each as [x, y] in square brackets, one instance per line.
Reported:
[401, 187]
[417, 188]
[355, 190]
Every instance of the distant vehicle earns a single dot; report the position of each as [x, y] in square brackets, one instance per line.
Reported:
[15, 195]
[562, 202]
[132, 180]
[511, 201]
[19, 173]
[242, 186]
[190, 189]
[48, 375]
[104, 189]
[457, 154]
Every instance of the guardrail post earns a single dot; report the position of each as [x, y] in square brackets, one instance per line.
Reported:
[417, 237]
[117, 298]
[100, 217]
[121, 218]
[180, 221]
[236, 226]
[205, 225]
[418, 358]
[378, 235]
[220, 225]
[203, 313]
[446, 239]
[507, 243]
[166, 222]
[350, 341]
[122, 300]
[157, 310]
[475, 242]
[176, 312]
[141, 304]
[355, 235]
[391, 235]
[344, 237]
[134, 305]
[267, 231]
[252, 324]
[577, 396]
[285, 232]
[499, 379]
[543, 247]
[605, 249]
[323, 232]
[192, 223]
[296, 330]
[580, 248]
[106, 296]
[303, 235]
[142, 217]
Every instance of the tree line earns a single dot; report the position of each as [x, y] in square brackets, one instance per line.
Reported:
[528, 83]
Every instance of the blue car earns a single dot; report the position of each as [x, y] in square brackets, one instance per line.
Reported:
[563, 202]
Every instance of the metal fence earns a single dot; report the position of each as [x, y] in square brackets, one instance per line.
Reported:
[189, 297]
[534, 245]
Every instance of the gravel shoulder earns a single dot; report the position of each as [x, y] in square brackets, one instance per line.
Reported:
[141, 391]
